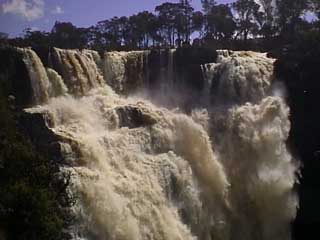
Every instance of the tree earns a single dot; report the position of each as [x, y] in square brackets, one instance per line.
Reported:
[167, 13]
[147, 21]
[94, 38]
[3, 37]
[207, 5]
[248, 16]
[268, 21]
[36, 38]
[198, 22]
[315, 4]
[289, 13]
[113, 32]
[183, 20]
[154, 29]
[135, 31]
[175, 21]
[220, 23]
[142, 27]
[66, 35]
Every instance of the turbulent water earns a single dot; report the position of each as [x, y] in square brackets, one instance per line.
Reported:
[141, 171]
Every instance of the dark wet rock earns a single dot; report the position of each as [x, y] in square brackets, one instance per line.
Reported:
[186, 66]
[43, 53]
[136, 72]
[134, 117]
[36, 127]
[195, 56]
[14, 76]
[298, 69]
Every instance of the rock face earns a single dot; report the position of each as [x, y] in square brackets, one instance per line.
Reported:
[14, 73]
[158, 72]
[298, 69]
[146, 72]
[142, 171]
[134, 117]
[37, 126]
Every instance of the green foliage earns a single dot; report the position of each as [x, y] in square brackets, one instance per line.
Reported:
[175, 22]
[315, 7]
[197, 22]
[66, 35]
[207, 5]
[298, 67]
[3, 38]
[249, 16]
[220, 23]
[269, 18]
[289, 14]
[34, 201]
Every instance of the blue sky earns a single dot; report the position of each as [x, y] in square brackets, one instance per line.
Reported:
[16, 15]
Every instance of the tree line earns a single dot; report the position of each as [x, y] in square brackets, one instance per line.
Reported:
[174, 24]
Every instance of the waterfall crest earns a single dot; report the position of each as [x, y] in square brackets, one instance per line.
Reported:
[78, 69]
[124, 71]
[40, 83]
[141, 171]
[239, 77]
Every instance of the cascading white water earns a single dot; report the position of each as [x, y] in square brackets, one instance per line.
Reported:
[249, 127]
[171, 53]
[79, 69]
[131, 73]
[38, 76]
[125, 70]
[209, 74]
[57, 85]
[45, 82]
[144, 172]
[254, 154]
[239, 77]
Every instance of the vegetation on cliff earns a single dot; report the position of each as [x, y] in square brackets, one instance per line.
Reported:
[298, 67]
[34, 200]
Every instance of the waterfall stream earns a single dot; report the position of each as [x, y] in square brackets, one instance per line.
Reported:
[141, 171]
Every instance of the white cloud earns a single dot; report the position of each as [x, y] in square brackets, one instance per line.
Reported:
[29, 9]
[57, 10]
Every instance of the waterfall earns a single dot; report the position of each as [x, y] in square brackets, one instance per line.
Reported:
[249, 127]
[239, 77]
[132, 73]
[125, 71]
[57, 85]
[38, 76]
[79, 70]
[170, 77]
[45, 82]
[141, 171]
[254, 154]
[210, 76]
